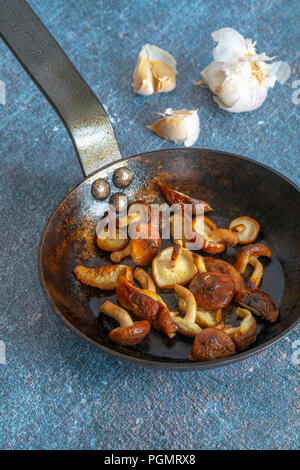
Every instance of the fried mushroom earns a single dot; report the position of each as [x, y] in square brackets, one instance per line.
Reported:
[144, 248]
[219, 266]
[212, 290]
[144, 279]
[222, 235]
[175, 197]
[203, 317]
[106, 242]
[117, 256]
[141, 249]
[211, 344]
[104, 278]
[145, 305]
[129, 333]
[246, 228]
[187, 325]
[166, 273]
[259, 302]
[245, 334]
[249, 255]
[250, 251]
[204, 227]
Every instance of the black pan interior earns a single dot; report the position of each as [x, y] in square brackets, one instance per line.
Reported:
[233, 186]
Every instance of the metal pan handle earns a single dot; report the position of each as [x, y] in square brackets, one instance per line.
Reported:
[51, 70]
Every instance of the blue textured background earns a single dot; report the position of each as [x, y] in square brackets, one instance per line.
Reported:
[55, 390]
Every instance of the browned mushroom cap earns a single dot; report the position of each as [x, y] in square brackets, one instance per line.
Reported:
[145, 305]
[144, 280]
[175, 197]
[212, 344]
[246, 333]
[112, 243]
[258, 302]
[128, 333]
[215, 265]
[246, 228]
[250, 251]
[187, 326]
[131, 335]
[146, 247]
[212, 290]
[204, 227]
[104, 278]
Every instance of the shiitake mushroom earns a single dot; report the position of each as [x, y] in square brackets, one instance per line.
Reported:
[212, 290]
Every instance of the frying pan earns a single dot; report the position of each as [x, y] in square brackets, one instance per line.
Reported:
[232, 184]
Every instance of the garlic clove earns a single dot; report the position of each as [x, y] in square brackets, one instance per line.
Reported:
[181, 126]
[231, 44]
[238, 76]
[143, 78]
[155, 71]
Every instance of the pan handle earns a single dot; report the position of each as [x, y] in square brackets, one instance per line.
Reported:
[51, 70]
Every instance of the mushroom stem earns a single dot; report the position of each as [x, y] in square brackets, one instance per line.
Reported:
[257, 273]
[117, 256]
[204, 318]
[245, 334]
[187, 325]
[199, 263]
[177, 249]
[144, 280]
[238, 228]
[118, 313]
[225, 236]
[191, 306]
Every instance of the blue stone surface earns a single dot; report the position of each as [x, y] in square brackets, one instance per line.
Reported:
[56, 391]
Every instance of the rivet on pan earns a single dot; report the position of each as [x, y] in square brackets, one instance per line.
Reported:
[100, 189]
[122, 177]
[120, 202]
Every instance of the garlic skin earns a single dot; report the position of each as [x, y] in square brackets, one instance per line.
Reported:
[238, 76]
[181, 126]
[155, 71]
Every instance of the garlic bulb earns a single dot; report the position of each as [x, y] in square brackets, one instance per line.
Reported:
[155, 71]
[182, 126]
[238, 76]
